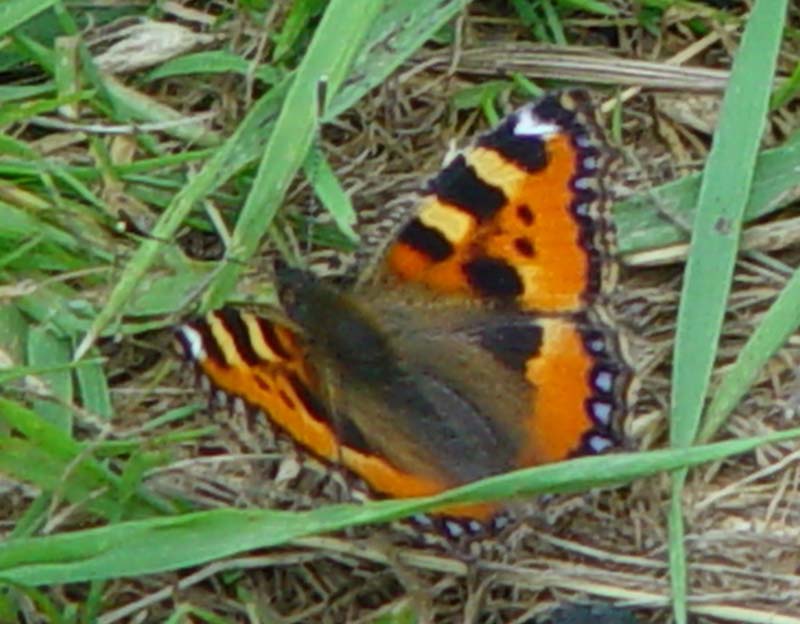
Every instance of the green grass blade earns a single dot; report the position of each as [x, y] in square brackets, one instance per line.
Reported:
[403, 23]
[159, 544]
[45, 348]
[591, 6]
[330, 192]
[133, 104]
[11, 113]
[94, 390]
[716, 230]
[715, 235]
[28, 462]
[13, 93]
[553, 22]
[14, 13]
[335, 44]
[46, 456]
[678, 569]
[214, 62]
[779, 322]
[401, 29]
[214, 173]
[788, 90]
[640, 220]
[296, 24]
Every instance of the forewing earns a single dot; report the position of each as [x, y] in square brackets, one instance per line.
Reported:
[519, 216]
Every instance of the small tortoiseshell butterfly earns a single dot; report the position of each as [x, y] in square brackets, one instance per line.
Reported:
[473, 347]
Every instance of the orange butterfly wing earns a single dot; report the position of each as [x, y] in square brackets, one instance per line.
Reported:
[264, 364]
[517, 217]
[520, 218]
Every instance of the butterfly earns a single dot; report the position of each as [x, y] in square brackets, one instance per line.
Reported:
[472, 346]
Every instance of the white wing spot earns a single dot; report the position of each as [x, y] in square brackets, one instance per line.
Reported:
[423, 520]
[601, 412]
[453, 528]
[598, 444]
[194, 341]
[597, 346]
[500, 522]
[603, 381]
[530, 125]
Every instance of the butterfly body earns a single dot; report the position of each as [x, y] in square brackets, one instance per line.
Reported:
[394, 366]
[473, 347]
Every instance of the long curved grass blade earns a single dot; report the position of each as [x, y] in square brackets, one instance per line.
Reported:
[717, 225]
[160, 544]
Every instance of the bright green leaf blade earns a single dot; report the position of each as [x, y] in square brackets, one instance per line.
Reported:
[716, 230]
[43, 454]
[133, 104]
[213, 62]
[160, 544]
[335, 43]
[678, 569]
[650, 220]
[780, 322]
[10, 113]
[93, 386]
[788, 90]
[28, 462]
[404, 25]
[400, 29]
[295, 25]
[591, 6]
[329, 190]
[14, 13]
[46, 349]
[721, 203]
